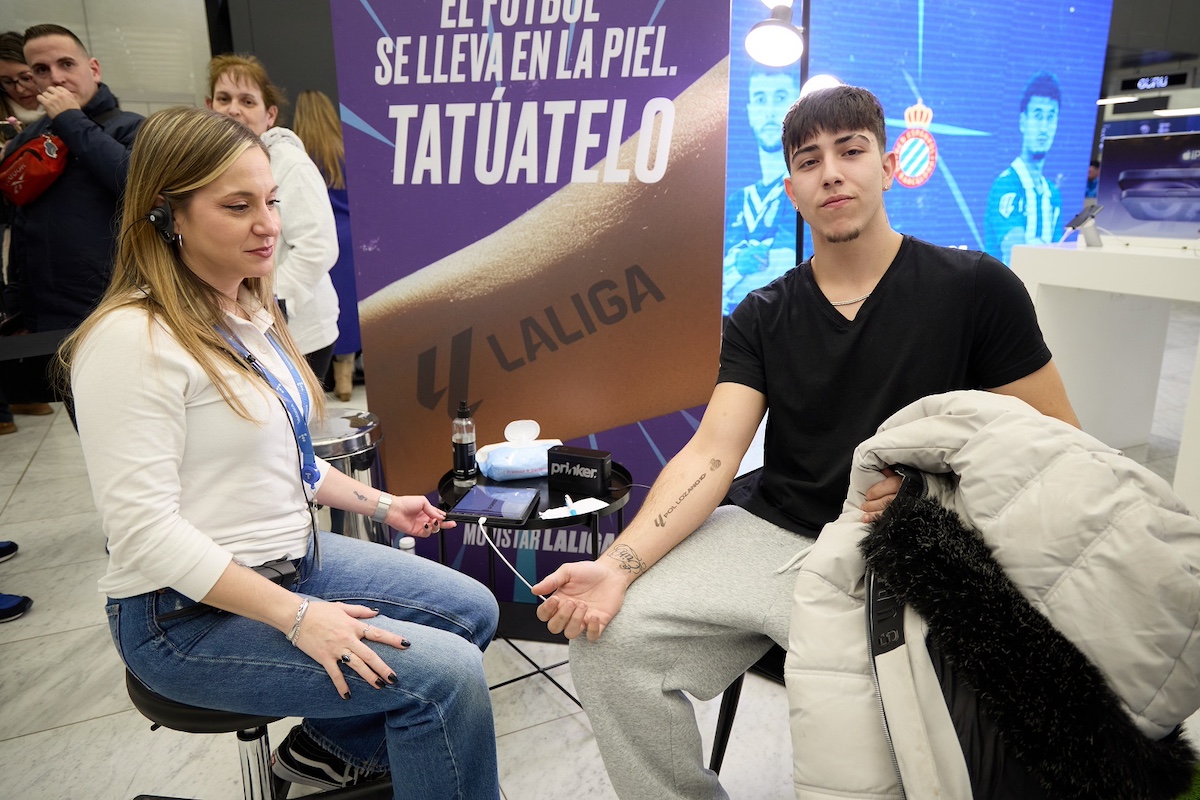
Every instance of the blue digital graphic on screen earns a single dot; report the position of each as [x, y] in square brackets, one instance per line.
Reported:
[990, 107]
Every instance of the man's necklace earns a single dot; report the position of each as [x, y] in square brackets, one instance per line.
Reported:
[850, 302]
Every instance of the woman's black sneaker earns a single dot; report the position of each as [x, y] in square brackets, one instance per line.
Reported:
[299, 759]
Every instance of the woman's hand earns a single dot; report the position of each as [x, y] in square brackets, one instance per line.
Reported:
[415, 515]
[335, 635]
[411, 514]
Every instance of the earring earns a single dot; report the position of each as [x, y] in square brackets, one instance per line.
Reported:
[179, 240]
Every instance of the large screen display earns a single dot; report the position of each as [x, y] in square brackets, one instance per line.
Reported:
[991, 106]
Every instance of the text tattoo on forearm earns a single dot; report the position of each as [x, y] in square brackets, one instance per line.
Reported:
[661, 520]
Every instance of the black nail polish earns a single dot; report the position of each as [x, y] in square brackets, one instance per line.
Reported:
[405, 643]
[426, 526]
[379, 683]
[346, 696]
[376, 610]
[391, 678]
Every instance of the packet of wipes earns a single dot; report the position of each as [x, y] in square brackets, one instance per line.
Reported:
[523, 455]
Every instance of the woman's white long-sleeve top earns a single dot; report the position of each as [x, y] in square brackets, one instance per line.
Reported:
[182, 483]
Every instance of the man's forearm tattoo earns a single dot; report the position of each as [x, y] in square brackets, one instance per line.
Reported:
[661, 520]
[628, 560]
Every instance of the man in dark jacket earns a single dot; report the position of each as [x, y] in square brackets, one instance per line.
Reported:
[60, 257]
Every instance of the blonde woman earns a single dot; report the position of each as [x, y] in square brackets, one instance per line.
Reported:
[239, 88]
[318, 126]
[201, 469]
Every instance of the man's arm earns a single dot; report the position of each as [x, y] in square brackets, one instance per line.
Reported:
[103, 153]
[1043, 389]
[587, 595]
[696, 479]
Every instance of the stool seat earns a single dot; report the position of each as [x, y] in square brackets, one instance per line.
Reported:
[185, 718]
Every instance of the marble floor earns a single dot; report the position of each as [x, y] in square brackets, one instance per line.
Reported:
[68, 730]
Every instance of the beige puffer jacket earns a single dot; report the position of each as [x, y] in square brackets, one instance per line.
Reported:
[1095, 542]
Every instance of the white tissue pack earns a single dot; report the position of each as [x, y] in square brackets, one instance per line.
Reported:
[522, 455]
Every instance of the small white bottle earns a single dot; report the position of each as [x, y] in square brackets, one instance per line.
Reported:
[407, 544]
[462, 438]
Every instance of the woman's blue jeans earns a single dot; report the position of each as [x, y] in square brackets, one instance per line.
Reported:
[433, 728]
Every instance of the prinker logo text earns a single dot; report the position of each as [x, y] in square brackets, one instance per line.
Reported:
[574, 470]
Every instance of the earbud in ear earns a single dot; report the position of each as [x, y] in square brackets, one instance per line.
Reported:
[160, 217]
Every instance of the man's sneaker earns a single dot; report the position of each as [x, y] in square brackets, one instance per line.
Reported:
[13, 606]
[7, 550]
[299, 759]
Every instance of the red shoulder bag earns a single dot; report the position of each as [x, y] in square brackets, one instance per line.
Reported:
[31, 168]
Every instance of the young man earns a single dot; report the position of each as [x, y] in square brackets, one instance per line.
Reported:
[690, 595]
[1023, 207]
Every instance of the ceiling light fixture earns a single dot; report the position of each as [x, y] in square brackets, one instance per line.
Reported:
[776, 42]
[818, 82]
[1115, 99]
[1177, 112]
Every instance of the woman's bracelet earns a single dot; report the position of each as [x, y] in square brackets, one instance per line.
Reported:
[296, 625]
[381, 510]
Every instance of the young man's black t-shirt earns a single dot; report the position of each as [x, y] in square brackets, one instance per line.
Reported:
[939, 320]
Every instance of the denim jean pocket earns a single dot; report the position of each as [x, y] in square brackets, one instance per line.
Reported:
[114, 627]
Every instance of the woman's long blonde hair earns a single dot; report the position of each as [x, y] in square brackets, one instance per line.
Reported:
[316, 123]
[177, 151]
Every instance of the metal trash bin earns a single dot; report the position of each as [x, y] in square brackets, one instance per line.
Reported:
[349, 440]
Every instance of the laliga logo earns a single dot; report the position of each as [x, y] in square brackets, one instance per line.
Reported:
[915, 149]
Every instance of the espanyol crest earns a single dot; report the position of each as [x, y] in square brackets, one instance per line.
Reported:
[915, 149]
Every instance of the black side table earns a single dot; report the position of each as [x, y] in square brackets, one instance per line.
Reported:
[519, 620]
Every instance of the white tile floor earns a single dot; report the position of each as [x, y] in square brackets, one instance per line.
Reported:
[67, 729]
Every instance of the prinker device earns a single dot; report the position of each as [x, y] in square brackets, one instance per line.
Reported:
[578, 471]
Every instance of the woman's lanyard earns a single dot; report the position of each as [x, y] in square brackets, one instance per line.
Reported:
[298, 415]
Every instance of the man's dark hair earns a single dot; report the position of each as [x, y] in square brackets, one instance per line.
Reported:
[1094, 163]
[1044, 84]
[50, 29]
[834, 110]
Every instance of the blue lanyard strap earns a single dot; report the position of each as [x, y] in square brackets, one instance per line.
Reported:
[299, 417]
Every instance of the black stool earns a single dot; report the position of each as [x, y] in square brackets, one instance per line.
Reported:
[254, 748]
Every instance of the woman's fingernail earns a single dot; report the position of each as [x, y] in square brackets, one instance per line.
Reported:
[376, 610]
[346, 695]
[405, 643]
[426, 526]
[391, 678]
[379, 682]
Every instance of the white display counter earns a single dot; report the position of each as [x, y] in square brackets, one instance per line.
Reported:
[1104, 313]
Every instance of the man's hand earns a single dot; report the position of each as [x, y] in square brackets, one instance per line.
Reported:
[56, 100]
[880, 496]
[587, 595]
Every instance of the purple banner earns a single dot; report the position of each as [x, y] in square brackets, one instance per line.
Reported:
[537, 195]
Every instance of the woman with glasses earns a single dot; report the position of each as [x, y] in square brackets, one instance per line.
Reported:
[18, 93]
